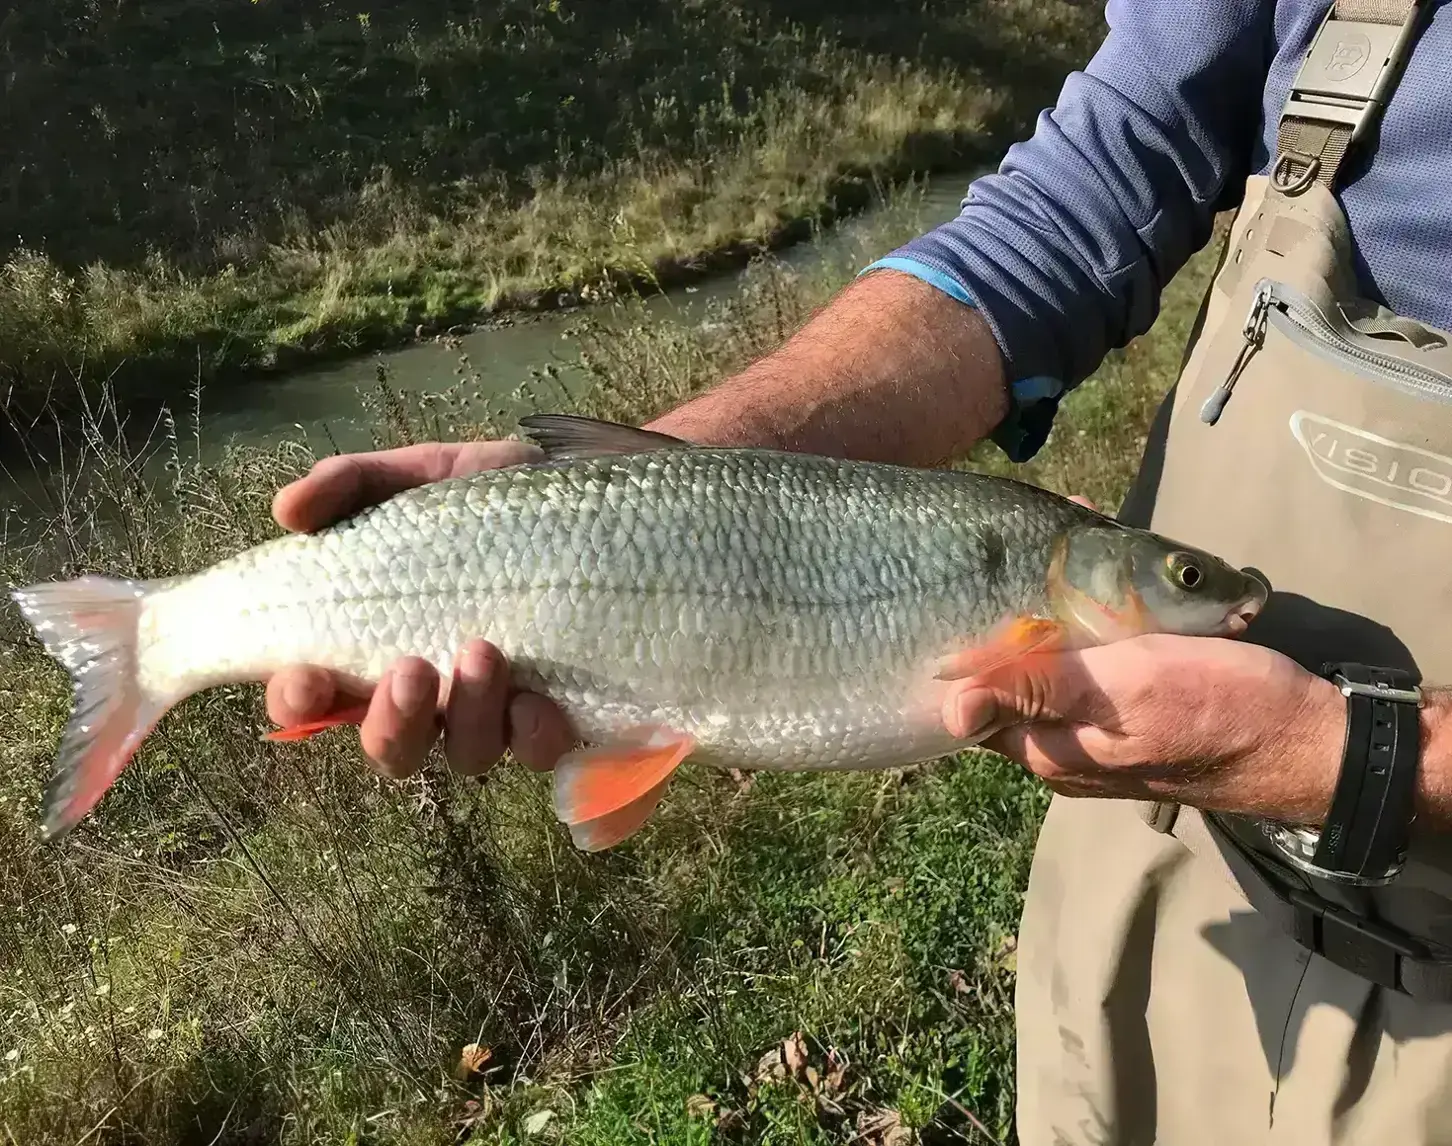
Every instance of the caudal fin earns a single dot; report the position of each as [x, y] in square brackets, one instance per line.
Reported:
[90, 626]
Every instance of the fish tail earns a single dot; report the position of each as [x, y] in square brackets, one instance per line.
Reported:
[90, 625]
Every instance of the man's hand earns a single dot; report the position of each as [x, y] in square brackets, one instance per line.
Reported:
[1216, 724]
[482, 714]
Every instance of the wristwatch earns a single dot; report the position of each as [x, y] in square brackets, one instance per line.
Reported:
[1367, 832]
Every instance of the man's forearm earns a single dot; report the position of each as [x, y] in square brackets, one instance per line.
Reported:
[1434, 788]
[890, 370]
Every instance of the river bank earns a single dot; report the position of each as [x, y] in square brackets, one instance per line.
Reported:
[368, 178]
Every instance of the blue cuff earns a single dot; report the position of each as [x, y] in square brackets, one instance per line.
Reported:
[1026, 427]
[930, 275]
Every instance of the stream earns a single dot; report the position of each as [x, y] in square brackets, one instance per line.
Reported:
[322, 405]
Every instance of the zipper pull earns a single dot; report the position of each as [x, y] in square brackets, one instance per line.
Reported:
[1253, 331]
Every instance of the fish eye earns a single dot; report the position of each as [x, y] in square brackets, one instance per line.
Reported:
[1185, 572]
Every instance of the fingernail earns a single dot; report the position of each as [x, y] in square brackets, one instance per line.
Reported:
[299, 695]
[474, 661]
[525, 720]
[968, 714]
[409, 689]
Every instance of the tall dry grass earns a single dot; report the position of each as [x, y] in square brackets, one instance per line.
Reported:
[191, 188]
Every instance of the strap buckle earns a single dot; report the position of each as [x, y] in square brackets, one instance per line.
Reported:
[1349, 70]
[1369, 948]
[1377, 690]
[1369, 951]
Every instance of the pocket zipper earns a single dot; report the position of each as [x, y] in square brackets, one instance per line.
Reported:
[1302, 321]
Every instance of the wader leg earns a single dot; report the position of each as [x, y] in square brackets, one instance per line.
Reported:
[1135, 1026]
[1156, 1009]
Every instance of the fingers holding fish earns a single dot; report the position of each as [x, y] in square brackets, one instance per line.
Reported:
[539, 732]
[339, 486]
[300, 695]
[402, 720]
[475, 709]
[1162, 716]
[1040, 687]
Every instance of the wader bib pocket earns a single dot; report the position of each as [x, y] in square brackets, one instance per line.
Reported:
[1310, 438]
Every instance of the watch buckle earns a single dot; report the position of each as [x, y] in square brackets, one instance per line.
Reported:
[1377, 690]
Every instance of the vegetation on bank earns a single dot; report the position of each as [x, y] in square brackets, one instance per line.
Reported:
[191, 188]
[266, 944]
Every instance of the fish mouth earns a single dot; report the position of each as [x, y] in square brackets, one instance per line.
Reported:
[1238, 619]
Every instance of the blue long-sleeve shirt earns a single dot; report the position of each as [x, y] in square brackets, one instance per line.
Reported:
[1067, 247]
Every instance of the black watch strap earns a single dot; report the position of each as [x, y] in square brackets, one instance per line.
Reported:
[1368, 830]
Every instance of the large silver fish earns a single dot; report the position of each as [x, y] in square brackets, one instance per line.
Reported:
[741, 607]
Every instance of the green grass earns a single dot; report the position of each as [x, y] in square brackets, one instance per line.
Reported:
[265, 944]
[191, 188]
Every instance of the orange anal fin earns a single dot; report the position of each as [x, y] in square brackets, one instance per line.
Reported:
[595, 782]
[352, 715]
[610, 829]
[1008, 642]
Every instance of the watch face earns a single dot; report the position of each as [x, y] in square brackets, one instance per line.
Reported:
[1297, 846]
[1295, 843]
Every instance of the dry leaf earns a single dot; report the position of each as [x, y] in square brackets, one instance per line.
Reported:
[537, 1121]
[959, 982]
[729, 1120]
[745, 781]
[813, 1079]
[836, 1071]
[884, 1128]
[794, 1054]
[700, 1106]
[899, 1135]
[475, 1113]
[770, 1065]
[1007, 957]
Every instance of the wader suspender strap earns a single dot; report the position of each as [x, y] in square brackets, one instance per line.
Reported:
[1342, 87]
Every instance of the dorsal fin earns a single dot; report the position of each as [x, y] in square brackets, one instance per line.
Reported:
[571, 436]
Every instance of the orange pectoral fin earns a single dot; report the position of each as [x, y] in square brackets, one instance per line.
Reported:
[1015, 638]
[352, 715]
[613, 788]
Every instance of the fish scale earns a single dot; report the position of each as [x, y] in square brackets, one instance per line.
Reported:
[770, 610]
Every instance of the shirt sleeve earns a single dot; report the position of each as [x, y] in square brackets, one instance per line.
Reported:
[1067, 247]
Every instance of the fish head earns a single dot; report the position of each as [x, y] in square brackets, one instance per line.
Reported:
[1109, 582]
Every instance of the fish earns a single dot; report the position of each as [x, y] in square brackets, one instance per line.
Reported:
[744, 608]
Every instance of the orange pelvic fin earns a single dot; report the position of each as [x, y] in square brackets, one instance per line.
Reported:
[612, 789]
[1008, 642]
[608, 830]
[352, 715]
